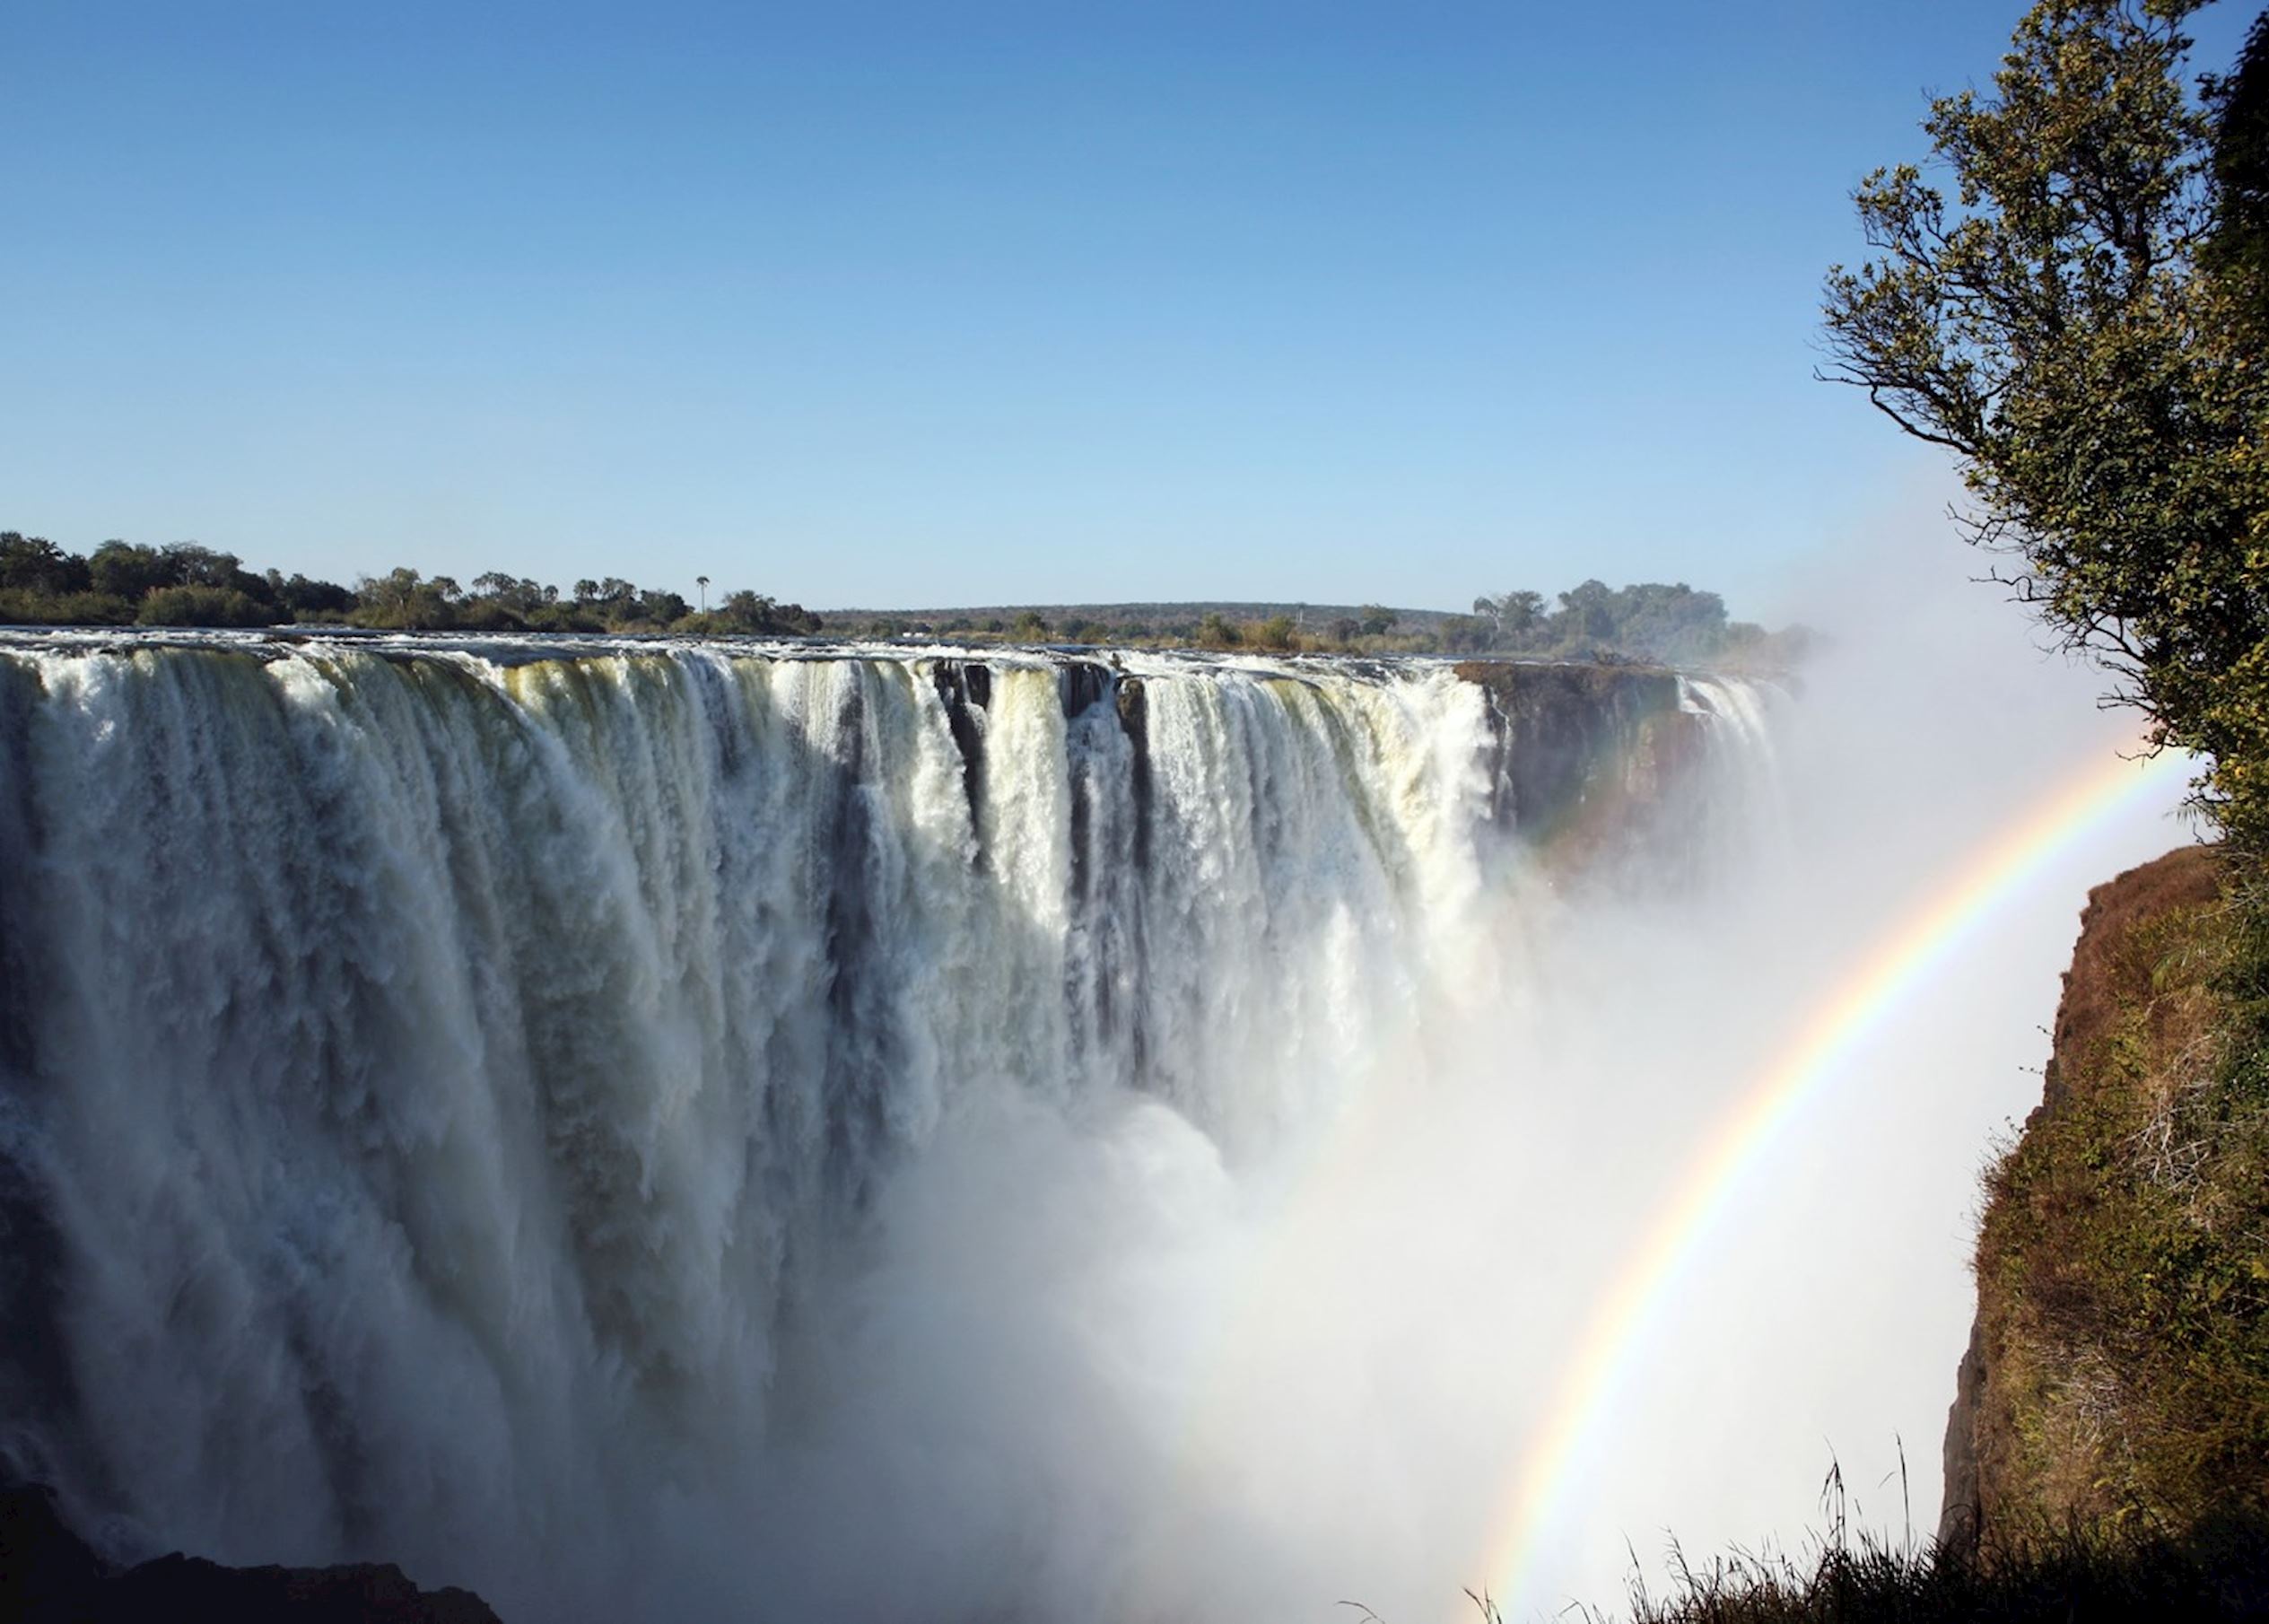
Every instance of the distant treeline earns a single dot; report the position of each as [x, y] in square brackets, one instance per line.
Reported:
[1672, 624]
[185, 584]
[120, 584]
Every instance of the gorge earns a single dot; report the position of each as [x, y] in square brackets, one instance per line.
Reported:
[631, 1127]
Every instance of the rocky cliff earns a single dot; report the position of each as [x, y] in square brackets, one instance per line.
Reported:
[2118, 1376]
[1594, 759]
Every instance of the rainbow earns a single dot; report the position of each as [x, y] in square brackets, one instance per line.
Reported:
[1617, 1333]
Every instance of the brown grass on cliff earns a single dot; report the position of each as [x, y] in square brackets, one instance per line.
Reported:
[2123, 1264]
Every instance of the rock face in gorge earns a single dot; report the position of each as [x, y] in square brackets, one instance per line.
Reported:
[1578, 738]
[2114, 1377]
[50, 1576]
[1595, 760]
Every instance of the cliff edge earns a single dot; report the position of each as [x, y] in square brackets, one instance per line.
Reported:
[2117, 1374]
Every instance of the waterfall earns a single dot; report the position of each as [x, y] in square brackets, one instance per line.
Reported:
[434, 1079]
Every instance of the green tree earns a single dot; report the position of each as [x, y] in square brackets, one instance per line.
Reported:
[33, 563]
[2239, 246]
[516, 594]
[2050, 322]
[132, 573]
[1215, 632]
[1672, 622]
[1588, 613]
[403, 600]
[303, 599]
[189, 564]
[1511, 616]
[753, 613]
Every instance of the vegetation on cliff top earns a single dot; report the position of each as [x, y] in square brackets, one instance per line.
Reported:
[2123, 1264]
[1666, 624]
[189, 585]
[121, 584]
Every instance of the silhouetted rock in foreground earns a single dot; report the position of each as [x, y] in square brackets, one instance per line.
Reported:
[49, 1575]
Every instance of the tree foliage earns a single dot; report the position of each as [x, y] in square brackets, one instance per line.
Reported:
[186, 584]
[2058, 322]
[1670, 622]
[1649, 622]
[189, 585]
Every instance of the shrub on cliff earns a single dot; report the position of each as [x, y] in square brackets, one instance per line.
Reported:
[23, 608]
[201, 607]
[35, 566]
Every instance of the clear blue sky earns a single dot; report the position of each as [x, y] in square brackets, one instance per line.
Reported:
[920, 304]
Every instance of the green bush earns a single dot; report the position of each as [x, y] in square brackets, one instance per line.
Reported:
[201, 606]
[32, 608]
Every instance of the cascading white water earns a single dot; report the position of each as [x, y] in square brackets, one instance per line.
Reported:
[434, 1078]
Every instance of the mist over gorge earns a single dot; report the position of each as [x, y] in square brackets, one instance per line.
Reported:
[460, 1102]
[639, 1128]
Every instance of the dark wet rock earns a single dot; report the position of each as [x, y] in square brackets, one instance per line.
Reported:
[1081, 684]
[177, 1587]
[1590, 756]
[1134, 720]
[964, 687]
[46, 1570]
[1959, 1515]
[48, 1574]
